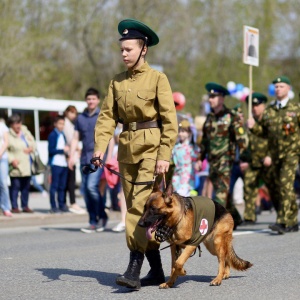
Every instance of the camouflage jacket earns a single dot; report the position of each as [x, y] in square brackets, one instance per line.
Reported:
[257, 150]
[221, 133]
[282, 129]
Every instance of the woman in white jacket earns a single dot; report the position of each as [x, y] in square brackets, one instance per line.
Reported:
[21, 146]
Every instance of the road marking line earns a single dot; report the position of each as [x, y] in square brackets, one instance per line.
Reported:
[251, 232]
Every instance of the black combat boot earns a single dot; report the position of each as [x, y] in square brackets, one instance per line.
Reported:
[156, 274]
[131, 278]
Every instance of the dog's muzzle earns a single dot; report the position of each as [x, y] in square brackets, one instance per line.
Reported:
[163, 233]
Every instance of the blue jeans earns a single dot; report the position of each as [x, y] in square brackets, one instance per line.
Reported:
[4, 196]
[36, 185]
[19, 184]
[95, 203]
[58, 185]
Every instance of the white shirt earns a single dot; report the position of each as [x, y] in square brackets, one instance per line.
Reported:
[60, 159]
[283, 102]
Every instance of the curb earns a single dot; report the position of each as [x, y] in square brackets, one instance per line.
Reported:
[41, 219]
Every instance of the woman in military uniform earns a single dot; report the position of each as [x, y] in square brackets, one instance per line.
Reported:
[141, 99]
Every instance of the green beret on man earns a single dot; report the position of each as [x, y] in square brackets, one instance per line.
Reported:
[283, 79]
[257, 98]
[131, 29]
[216, 89]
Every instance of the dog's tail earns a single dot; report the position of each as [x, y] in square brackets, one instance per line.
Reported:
[238, 263]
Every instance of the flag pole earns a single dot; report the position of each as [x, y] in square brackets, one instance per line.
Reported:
[250, 93]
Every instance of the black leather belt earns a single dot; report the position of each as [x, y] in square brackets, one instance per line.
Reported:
[133, 126]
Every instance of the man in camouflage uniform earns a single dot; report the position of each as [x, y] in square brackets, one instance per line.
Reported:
[222, 131]
[252, 162]
[281, 125]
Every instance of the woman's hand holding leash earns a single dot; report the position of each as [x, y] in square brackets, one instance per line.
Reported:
[162, 167]
[97, 162]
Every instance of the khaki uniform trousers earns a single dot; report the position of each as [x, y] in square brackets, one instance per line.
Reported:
[136, 197]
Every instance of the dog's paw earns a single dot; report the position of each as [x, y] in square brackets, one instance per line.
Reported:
[215, 283]
[164, 285]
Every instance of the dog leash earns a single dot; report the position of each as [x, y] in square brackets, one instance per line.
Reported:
[87, 170]
[199, 248]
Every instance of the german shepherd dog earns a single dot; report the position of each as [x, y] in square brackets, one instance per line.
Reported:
[171, 217]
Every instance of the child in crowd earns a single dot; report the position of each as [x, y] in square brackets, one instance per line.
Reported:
[58, 150]
[184, 157]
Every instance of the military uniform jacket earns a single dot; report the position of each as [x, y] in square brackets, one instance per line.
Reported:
[204, 215]
[221, 133]
[138, 96]
[281, 128]
[256, 152]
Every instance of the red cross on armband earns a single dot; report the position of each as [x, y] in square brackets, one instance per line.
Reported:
[203, 226]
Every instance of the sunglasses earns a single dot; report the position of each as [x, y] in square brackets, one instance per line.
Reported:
[91, 168]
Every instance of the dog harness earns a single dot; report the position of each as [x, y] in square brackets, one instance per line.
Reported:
[204, 213]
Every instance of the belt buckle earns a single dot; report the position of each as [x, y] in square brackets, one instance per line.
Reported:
[132, 126]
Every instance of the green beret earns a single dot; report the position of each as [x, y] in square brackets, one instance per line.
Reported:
[214, 88]
[257, 98]
[132, 29]
[282, 79]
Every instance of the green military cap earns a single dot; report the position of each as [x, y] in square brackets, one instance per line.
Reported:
[185, 124]
[257, 98]
[282, 79]
[133, 29]
[214, 88]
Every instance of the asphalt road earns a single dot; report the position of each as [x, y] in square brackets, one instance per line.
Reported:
[60, 262]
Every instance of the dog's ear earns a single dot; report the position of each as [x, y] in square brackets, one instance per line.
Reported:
[169, 190]
[156, 185]
[168, 194]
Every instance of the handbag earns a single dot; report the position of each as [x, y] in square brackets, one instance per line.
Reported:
[37, 166]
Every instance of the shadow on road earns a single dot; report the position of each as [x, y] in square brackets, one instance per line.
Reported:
[108, 279]
[103, 278]
[202, 278]
[61, 229]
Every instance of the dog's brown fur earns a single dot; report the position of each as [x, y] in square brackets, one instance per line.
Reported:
[218, 242]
